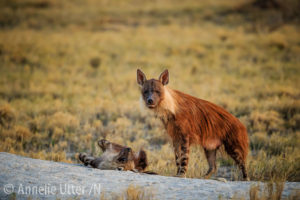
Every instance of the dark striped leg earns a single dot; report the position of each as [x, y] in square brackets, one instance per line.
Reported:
[239, 159]
[89, 160]
[177, 153]
[183, 158]
[241, 163]
[86, 160]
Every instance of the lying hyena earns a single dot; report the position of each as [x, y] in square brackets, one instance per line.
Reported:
[117, 157]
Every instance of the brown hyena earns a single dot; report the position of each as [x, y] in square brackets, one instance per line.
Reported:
[116, 157]
[190, 120]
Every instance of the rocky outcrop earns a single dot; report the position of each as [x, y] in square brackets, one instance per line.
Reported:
[23, 177]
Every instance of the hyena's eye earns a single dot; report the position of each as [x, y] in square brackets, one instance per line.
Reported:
[122, 160]
[157, 92]
[145, 92]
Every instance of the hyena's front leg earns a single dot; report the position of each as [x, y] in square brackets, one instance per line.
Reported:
[182, 149]
[85, 159]
[89, 160]
[177, 153]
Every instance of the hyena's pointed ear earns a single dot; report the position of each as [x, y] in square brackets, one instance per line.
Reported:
[141, 78]
[164, 77]
[141, 161]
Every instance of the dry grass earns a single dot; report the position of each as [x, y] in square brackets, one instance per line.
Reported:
[133, 192]
[269, 191]
[67, 78]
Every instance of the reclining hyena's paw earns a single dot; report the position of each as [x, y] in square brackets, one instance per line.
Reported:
[103, 144]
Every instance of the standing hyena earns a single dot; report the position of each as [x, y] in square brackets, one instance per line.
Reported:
[117, 157]
[189, 120]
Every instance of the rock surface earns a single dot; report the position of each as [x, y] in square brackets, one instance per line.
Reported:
[23, 177]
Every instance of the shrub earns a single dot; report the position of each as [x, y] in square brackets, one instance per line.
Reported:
[7, 116]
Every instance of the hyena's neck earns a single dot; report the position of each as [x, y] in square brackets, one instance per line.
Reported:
[169, 102]
[168, 106]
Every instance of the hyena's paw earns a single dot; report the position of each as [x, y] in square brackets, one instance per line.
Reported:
[210, 172]
[207, 176]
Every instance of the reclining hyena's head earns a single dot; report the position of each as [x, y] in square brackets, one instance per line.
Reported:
[153, 91]
[116, 156]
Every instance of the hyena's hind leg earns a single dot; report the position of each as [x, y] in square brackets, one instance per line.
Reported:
[211, 159]
[240, 160]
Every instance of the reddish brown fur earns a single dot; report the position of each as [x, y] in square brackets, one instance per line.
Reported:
[190, 120]
[200, 120]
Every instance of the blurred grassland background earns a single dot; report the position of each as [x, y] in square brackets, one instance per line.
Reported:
[68, 76]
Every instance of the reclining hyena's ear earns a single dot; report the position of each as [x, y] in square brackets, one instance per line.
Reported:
[141, 78]
[164, 77]
[142, 161]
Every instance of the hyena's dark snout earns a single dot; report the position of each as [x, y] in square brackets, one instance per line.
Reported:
[150, 101]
